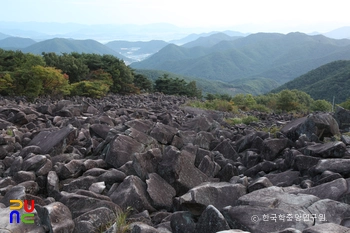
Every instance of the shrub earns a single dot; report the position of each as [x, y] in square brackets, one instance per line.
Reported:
[321, 105]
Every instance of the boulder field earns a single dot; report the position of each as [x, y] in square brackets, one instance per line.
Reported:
[86, 164]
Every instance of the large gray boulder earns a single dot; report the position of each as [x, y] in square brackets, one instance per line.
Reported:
[211, 221]
[160, 192]
[218, 194]
[56, 217]
[54, 141]
[132, 192]
[259, 211]
[327, 150]
[178, 169]
[343, 117]
[331, 190]
[322, 125]
[121, 150]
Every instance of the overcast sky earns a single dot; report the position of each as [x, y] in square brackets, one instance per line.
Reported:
[241, 15]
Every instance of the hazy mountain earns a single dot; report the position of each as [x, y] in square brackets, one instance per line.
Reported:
[332, 79]
[137, 50]
[100, 32]
[339, 33]
[270, 55]
[195, 36]
[60, 45]
[3, 36]
[16, 43]
[209, 41]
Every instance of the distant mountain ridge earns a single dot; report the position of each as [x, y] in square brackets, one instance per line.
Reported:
[3, 36]
[16, 43]
[270, 55]
[325, 82]
[209, 41]
[60, 45]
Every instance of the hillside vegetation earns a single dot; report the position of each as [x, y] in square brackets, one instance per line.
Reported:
[328, 81]
[270, 55]
[255, 86]
[78, 74]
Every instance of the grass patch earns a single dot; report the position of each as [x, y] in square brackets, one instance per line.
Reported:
[245, 120]
[216, 104]
[121, 221]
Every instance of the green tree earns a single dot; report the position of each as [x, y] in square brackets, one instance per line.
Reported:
[321, 105]
[97, 85]
[6, 84]
[287, 101]
[54, 83]
[142, 83]
[69, 64]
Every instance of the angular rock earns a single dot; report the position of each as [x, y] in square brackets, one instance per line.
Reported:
[160, 192]
[132, 193]
[163, 133]
[303, 163]
[219, 195]
[343, 117]
[176, 169]
[273, 147]
[54, 142]
[325, 228]
[341, 166]
[182, 222]
[226, 149]
[211, 221]
[259, 183]
[203, 139]
[56, 217]
[94, 220]
[73, 169]
[121, 150]
[322, 125]
[327, 150]
[284, 179]
[200, 123]
[82, 182]
[209, 167]
[269, 204]
[329, 211]
[140, 227]
[112, 176]
[332, 190]
[99, 130]
[141, 137]
[81, 204]
[15, 193]
[146, 162]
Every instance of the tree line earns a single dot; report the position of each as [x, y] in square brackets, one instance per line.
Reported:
[93, 75]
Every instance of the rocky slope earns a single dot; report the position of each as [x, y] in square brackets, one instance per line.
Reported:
[173, 168]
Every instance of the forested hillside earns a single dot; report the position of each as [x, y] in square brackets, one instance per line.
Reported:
[78, 74]
[270, 55]
[253, 86]
[328, 81]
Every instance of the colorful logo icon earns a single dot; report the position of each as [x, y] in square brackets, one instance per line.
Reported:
[28, 217]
